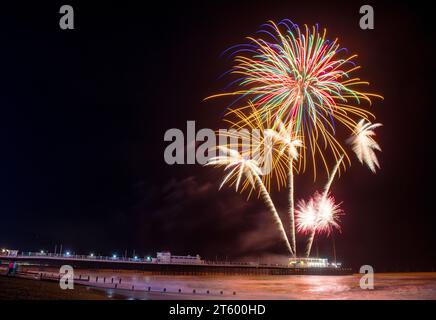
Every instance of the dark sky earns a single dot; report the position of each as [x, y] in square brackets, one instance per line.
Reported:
[84, 111]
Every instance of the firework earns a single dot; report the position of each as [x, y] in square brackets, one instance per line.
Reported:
[318, 215]
[290, 145]
[250, 135]
[306, 216]
[239, 167]
[364, 144]
[275, 149]
[297, 89]
[328, 213]
[303, 79]
[327, 217]
[326, 210]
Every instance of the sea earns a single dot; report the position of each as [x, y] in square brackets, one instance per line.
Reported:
[386, 286]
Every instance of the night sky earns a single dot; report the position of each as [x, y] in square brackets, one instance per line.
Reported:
[84, 112]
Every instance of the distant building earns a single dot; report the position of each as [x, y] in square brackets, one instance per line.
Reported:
[308, 262]
[163, 257]
[166, 257]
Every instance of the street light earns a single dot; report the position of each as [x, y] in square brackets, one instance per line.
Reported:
[67, 253]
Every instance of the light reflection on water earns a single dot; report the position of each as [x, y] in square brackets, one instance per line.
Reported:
[387, 286]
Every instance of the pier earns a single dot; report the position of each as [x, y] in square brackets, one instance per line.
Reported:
[169, 267]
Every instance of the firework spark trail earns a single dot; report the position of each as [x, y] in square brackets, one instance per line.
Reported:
[290, 145]
[271, 206]
[323, 204]
[291, 203]
[248, 167]
[332, 176]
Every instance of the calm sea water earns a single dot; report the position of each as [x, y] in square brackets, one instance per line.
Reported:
[386, 286]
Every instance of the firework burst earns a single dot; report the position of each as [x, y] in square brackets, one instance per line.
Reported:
[306, 216]
[303, 79]
[328, 213]
[318, 215]
[326, 209]
[250, 135]
[241, 168]
[364, 144]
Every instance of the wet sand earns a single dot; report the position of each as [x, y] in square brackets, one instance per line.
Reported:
[26, 289]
